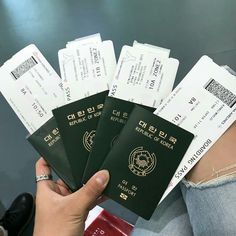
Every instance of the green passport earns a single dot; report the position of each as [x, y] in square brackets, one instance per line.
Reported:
[114, 116]
[47, 141]
[143, 161]
[77, 123]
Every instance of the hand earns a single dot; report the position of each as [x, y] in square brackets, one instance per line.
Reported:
[60, 212]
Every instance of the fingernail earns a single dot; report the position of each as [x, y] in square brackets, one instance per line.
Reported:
[102, 177]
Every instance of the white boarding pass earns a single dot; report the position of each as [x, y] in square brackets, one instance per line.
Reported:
[143, 77]
[86, 69]
[162, 52]
[31, 87]
[91, 39]
[204, 103]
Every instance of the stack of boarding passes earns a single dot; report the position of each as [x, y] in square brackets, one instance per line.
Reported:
[123, 116]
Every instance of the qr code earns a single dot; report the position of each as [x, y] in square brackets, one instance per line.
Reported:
[24, 67]
[221, 92]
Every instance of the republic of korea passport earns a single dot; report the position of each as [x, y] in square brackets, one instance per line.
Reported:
[47, 141]
[114, 116]
[144, 76]
[143, 161]
[77, 122]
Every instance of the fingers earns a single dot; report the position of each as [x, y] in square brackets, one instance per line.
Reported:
[61, 183]
[89, 193]
[63, 188]
[42, 168]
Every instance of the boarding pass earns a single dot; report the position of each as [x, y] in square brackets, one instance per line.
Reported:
[86, 69]
[31, 87]
[143, 75]
[204, 103]
[162, 52]
[91, 39]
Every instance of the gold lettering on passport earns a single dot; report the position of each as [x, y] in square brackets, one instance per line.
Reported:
[142, 162]
[88, 139]
[127, 189]
[84, 115]
[52, 137]
[156, 134]
[119, 116]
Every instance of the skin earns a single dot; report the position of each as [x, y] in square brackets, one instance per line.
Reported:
[221, 155]
[60, 212]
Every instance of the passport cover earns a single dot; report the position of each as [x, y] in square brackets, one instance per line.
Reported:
[77, 123]
[143, 161]
[114, 116]
[107, 224]
[47, 141]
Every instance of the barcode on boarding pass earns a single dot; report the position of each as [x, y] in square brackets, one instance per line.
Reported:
[24, 67]
[218, 90]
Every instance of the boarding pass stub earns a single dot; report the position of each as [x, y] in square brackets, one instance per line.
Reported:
[31, 87]
[87, 69]
[143, 77]
[91, 39]
[162, 52]
[204, 103]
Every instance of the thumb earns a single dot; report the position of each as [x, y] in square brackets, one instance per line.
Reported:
[89, 193]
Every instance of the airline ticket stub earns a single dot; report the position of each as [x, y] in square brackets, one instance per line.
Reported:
[86, 68]
[162, 52]
[91, 39]
[143, 75]
[204, 103]
[31, 87]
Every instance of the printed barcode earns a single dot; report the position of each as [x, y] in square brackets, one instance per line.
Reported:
[24, 67]
[221, 92]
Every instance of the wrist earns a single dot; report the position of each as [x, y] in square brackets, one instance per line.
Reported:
[219, 161]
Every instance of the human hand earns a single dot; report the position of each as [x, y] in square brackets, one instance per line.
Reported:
[60, 212]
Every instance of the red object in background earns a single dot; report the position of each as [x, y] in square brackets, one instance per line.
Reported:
[109, 225]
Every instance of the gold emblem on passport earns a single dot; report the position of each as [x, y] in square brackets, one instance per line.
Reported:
[142, 162]
[123, 196]
[88, 139]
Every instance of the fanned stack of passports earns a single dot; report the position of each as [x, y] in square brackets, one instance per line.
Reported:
[123, 117]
